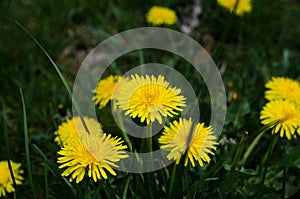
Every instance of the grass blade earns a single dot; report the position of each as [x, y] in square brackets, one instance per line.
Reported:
[26, 143]
[65, 83]
[16, 194]
[55, 170]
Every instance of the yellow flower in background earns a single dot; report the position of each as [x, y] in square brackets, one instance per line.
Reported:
[104, 90]
[149, 98]
[182, 136]
[73, 127]
[161, 15]
[239, 7]
[93, 153]
[6, 182]
[283, 116]
[283, 88]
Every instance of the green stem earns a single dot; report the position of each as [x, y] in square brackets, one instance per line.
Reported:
[239, 151]
[269, 152]
[284, 171]
[150, 178]
[265, 158]
[172, 182]
[261, 132]
[149, 139]
[124, 134]
[251, 147]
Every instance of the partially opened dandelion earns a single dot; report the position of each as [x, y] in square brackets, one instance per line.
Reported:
[104, 90]
[239, 7]
[70, 128]
[283, 88]
[150, 98]
[6, 182]
[282, 116]
[158, 15]
[183, 137]
[93, 153]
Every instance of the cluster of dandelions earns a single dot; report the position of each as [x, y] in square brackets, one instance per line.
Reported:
[282, 111]
[6, 180]
[86, 148]
[151, 99]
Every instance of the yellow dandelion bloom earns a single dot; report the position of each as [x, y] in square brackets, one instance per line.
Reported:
[74, 127]
[283, 88]
[283, 116]
[93, 153]
[240, 7]
[198, 141]
[161, 15]
[149, 98]
[104, 90]
[6, 182]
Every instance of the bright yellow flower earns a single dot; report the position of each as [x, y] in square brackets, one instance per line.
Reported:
[161, 15]
[283, 116]
[243, 6]
[182, 136]
[104, 90]
[283, 88]
[92, 152]
[149, 98]
[74, 127]
[6, 182]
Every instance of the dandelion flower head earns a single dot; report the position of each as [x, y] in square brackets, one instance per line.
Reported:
[283, 116]
[104, 90]
[149, 98]
[161, 15]
[242, 7]
[6, 182]
[93, 153]
[283, 88]
[73, 127]
[182, 136]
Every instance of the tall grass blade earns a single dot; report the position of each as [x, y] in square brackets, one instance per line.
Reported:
[65, 83]
[26, 143]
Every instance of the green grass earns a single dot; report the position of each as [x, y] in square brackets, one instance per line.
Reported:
[248, 51]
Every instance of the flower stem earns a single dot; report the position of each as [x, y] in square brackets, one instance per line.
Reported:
[239, 151]
[284, 171]
[124, 134]
[271, 147]
[149, 144]
[172, 182]
[265, 163]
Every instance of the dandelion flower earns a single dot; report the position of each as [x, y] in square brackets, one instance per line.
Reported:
[243, 6]
[93, 153]
[161, 15]
[181, 136]
[149, 98]
[104, 90]
[283, 88]
[6, 182]
[283, 116]
[74, 127]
